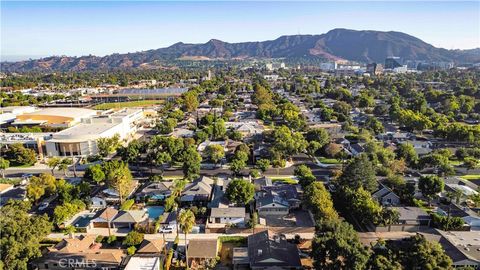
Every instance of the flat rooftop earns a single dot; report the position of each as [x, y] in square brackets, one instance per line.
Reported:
[84, 130]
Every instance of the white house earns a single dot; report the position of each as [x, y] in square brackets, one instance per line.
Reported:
[230, 215]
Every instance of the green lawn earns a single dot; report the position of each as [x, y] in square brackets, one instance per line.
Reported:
[329, 160]
[289, 181]
[137, 103]
[471, 177]
[456, 162]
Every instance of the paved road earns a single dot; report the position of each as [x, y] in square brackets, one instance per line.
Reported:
[171, 236]
[143, 170]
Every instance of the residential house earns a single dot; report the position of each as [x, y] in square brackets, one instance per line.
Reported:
[462, 247]
[80, 253]
[201, 252]
[130, 218]
[97, 203]
[271, 203]
[182, 133]
[471, 218]
[152, 247]
[411, 219]
[143, 263]
[198, 191]
[103, 218]
[262, 182]
[267, 250]
[230, 215]
[155, 191]
[386, 196]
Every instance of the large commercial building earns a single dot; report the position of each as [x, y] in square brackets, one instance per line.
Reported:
[81, 139]
[54, 117]
[392, 62]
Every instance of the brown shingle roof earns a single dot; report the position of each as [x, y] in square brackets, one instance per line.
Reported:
[202, 248]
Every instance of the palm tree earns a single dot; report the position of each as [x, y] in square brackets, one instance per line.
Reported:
[187, 221]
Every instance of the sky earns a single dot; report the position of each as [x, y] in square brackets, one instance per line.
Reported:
[38, 28]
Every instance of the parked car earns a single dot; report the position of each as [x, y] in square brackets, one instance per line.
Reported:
[43, 206]
[166, 229]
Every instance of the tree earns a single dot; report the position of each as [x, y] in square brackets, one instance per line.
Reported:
[166, 126]
[318, 135]
[304, 175]
[240, 191]
[107, 145]
[359, 173]
[21, 234]
[430, 186]
[38, 186]
[471, 163]
[95, 173]
[67, 210]
[17, 154]
[131, 153]
[288, 142]
[215, 153]
[218, 129]
[319, 201]
[332, 150]
[63, 165]
[133, 238]
[263, 164]
[191, 163]
[336, 246]
[52, 163]
[118, 177]
[190, 99]
[186, 219]
[4, 164]
[254, 221]
[408, 153]
[374, 125]
[418, 253]
[240, 158]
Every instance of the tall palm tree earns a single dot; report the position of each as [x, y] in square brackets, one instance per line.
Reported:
[187, 221]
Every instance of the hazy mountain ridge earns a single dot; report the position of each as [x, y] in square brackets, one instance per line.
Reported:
[362, 46]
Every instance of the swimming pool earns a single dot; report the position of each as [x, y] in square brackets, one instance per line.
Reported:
[155, 211]
[82, 221]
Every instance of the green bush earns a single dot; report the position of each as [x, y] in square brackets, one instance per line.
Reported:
[131, 250]
[126, 205]
[133, 238]
[99, 239]
[447, 223]
[111, 239]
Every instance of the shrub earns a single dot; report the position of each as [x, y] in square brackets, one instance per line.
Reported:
[133, 238]
[131, 250]
[126, 205]
[111, 239]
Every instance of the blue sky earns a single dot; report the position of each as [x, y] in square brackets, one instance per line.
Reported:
[32, 29]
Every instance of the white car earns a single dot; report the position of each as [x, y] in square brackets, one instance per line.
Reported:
[43, 206]
[166, 229]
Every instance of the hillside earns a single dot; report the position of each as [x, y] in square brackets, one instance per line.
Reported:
[361, 46]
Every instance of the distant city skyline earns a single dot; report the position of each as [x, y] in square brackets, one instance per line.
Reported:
[37, 29]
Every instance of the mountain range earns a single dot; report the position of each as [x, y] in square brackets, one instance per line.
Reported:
[337, 44]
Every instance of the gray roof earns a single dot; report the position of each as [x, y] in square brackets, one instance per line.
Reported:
[267, 249]
[411, 213]
[131, 216]
[200, 187]
[228, 212]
